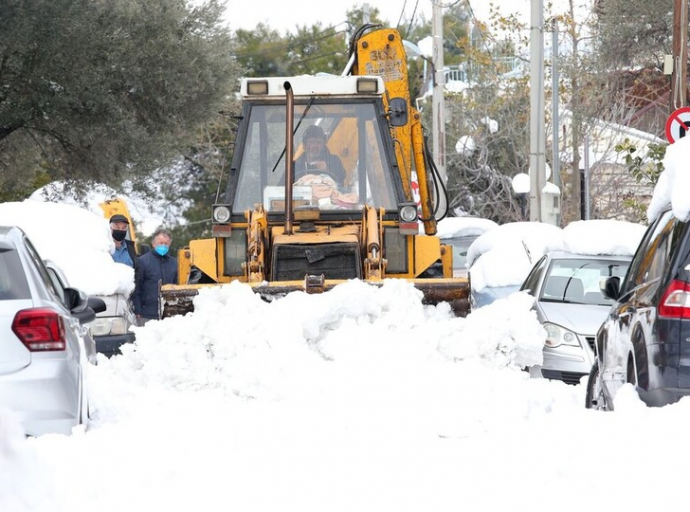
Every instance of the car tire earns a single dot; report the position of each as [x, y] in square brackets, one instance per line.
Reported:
[595, 398]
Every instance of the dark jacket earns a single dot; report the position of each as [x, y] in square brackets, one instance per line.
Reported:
[334, 168]
[152, 271]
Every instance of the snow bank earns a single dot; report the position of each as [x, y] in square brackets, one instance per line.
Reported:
[674, 183]
[77, 240]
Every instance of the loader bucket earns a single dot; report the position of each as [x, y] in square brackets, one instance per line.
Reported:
[178, 299]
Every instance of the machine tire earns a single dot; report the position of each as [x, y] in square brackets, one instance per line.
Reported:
[595, 398]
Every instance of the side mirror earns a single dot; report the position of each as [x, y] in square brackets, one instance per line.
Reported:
[612, 288]
[397, 110]
[97, 304]
[75, 300]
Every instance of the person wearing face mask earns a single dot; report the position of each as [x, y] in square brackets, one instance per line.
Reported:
[155, 268]
[124, 249]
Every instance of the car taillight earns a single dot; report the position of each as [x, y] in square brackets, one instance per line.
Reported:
[40, 329]
[676, 300]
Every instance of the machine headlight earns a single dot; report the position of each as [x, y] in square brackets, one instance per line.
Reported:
[221, 213]
[408, 213]
[557, 336]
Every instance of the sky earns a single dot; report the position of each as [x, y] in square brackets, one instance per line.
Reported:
[357, 399]
[285, 16]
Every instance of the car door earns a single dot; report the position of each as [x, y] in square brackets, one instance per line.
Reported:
[628, 326]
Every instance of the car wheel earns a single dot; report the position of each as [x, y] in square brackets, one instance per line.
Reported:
[595, 398]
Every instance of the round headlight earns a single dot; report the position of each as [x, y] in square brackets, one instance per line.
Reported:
[221, 214]
[408, 213]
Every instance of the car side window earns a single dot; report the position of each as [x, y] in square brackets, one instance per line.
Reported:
[42, 270]
[57, 284]
[652, 257]
[532, 280]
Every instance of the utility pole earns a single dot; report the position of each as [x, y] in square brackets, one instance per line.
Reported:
[366, 13]
[537, 156]
[438, 111]
[680, 55]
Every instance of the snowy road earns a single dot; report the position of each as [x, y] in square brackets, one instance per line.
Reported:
[360, 399]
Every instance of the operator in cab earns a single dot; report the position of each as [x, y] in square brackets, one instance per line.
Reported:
[316, 159]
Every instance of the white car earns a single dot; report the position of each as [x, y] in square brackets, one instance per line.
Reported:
[43, 356]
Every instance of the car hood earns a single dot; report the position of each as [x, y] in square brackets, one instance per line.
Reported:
[580, 318]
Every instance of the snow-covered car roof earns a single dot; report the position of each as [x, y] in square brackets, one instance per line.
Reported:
[505, 256]
[454, 227]
[79, 244]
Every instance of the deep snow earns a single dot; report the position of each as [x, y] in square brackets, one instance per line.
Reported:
[358, 399]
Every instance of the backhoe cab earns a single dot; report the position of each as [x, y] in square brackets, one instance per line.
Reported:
[316, 196]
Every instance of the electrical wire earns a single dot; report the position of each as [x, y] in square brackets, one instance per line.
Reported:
[414, 12]
[402, 13]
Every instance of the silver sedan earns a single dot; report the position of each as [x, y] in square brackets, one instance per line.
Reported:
[571, 308]
[43, 355]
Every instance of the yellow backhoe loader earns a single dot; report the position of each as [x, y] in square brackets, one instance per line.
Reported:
[299, 218]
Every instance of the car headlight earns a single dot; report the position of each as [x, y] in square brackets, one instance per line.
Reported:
[557, 336]
[105, 326]
[118, 326]
[100, 327]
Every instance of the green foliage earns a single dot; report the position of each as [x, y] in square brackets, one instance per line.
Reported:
[105, 89]
[645, 170]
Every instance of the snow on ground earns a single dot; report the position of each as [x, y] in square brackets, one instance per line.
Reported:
[358, 399]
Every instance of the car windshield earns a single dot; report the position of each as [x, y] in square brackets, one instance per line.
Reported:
[339, 159]
[460, 246]
[580, 280]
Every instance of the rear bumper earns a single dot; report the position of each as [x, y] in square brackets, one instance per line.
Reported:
[44, 396]
[110, 345]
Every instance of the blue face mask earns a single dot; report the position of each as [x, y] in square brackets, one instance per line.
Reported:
[162, 249]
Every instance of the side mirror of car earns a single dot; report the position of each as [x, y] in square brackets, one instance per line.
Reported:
[612, 288]
[79, 307]
[97, 304]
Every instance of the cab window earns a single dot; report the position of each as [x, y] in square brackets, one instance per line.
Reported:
[339, 159]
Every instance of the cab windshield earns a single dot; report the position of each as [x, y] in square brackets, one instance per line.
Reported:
[340, 162]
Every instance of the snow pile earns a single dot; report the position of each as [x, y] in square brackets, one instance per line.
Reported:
[504, 256]
[20, 467]
[610, 237]
[674, 183]
[229, 344]
[77, 240]
[147, 214]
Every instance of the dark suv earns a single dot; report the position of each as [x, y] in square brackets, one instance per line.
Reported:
[645, 339]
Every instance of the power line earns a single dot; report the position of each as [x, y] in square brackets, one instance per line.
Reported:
[414, 12]
[402, 12]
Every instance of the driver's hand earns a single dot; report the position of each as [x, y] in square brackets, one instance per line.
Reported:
[319, 165]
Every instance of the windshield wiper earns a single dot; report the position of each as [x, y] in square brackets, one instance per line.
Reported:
[282, 154]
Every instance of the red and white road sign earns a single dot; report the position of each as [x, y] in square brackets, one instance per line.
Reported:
[678, 124]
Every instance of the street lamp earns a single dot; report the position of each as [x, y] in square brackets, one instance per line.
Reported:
[521, 186]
